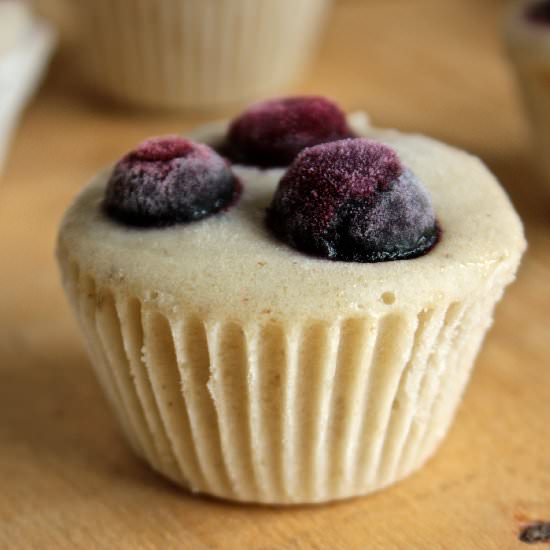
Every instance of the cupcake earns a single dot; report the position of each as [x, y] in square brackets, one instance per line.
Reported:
[25, 47]
[194, 53]
[293, 334]
[528, 39]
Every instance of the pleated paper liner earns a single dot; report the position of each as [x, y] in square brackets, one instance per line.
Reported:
[528, 48]
[196, 53]
[277, 412]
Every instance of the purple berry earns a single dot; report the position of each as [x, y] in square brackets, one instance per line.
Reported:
[352, 200]
[539, 13]
[271, 133]
[169, 180]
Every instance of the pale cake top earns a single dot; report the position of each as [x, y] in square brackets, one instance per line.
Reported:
[230, 266]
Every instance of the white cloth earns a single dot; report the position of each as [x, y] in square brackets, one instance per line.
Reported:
[25, 47]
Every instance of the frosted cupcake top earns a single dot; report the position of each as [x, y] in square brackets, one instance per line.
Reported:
[341, 199]
[234, 266]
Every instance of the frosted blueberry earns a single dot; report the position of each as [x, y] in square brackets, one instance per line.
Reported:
[169, 180]
[352, 200]
[271, 133]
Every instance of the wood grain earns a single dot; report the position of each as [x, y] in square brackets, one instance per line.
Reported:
[68, 481]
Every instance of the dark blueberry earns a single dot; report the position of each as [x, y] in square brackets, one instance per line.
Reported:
[169, 180]
[352, 200]
[539, 13]
[271, 133]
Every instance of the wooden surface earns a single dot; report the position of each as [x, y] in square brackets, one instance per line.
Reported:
[67, 480]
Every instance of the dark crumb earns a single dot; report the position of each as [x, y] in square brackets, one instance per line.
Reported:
[539, 13]
[537, 532]
[271, 133]
[169, 180]
[352, 200]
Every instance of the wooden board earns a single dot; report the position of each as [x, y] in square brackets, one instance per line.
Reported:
[67, 480]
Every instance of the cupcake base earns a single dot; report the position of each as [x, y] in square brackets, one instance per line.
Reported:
[280, 414]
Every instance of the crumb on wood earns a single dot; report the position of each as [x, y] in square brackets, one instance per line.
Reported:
[536, 532]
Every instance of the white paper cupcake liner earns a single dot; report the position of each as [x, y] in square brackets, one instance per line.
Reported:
[528, 47]
[196, 53]
[25, 48]
[279, 413]
[534, 83]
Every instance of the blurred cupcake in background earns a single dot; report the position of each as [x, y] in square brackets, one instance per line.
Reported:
[527, 32]
[59, 14]
[194, 54]
[26, 43]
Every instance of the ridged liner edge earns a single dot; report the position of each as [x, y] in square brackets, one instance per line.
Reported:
[280, 414]
[199, 52]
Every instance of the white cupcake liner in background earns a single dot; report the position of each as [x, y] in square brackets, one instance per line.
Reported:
[528, 47]
[25, 47]
[195, 53]
[278, 413]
